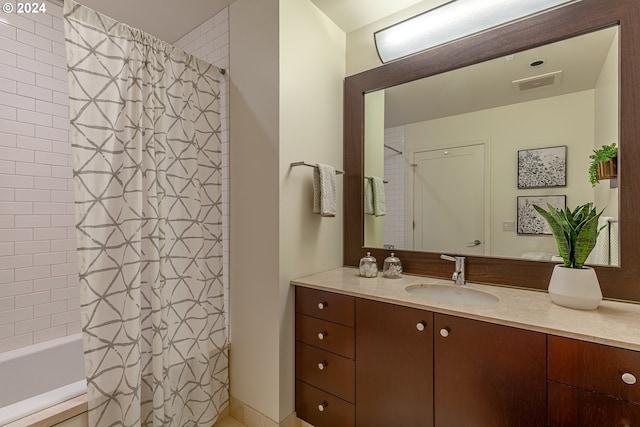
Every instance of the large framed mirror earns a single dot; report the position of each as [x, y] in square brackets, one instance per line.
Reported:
[503, 257]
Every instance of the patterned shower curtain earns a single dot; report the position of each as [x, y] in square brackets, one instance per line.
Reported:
[145, 132]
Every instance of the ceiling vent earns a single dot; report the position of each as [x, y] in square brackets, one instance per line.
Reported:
[537, 82]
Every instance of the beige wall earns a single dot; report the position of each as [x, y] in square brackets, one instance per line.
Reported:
[286, 72]
[606, 125]
[374, 160]
[312, 66]
[254, 210]
[563, 120]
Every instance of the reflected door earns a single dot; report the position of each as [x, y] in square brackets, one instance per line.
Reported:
[449, 199]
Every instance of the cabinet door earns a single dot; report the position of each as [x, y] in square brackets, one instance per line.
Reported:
[488, 375]
[573, 407]
[394, 365]
[595, 367]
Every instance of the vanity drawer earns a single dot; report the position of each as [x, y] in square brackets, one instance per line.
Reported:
[573, 407]
[322, 409]
[596, 367]
[325, 335]
[328, 371]
[326, 305]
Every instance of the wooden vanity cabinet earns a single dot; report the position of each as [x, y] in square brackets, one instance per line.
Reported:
[394, 369]
[592, 385]
[488, 375]
[325, 351]
[416, 368]
[372, 364]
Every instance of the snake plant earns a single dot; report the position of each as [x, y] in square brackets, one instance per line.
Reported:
[575, 231]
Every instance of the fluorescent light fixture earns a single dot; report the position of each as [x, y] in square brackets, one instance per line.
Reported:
[452, 21]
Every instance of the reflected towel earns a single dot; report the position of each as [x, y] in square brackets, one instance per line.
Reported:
[379, 203]
[324, 190]
[538, 256]
[374, 198]
[603, 244]
[614, 249]
[368, 196]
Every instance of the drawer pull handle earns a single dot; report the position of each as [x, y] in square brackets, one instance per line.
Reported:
[628, 378]
[444, 332]
[322, 365]
[322, 305]
[322, 335]
[421, 326]
[322, 406]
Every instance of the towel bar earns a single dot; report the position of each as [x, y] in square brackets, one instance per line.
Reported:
[384, 180]
[311, 166]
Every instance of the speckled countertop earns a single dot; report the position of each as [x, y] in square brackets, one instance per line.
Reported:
[612, 323]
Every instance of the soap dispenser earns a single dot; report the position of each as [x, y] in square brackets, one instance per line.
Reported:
[368, 266]
[392, 268]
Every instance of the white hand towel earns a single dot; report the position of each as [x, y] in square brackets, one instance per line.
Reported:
[324, 190]
[379, 202]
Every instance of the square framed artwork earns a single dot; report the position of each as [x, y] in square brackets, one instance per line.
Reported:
[529, 220]
[542, 167]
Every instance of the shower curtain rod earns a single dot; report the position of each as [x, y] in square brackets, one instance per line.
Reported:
[392, 149]
[61, 3]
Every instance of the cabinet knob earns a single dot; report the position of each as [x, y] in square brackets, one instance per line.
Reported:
[629, 378]
[322, 406]
[322, 305]
[421, 326]
[444, 332]
[322, 365]
[322, 335]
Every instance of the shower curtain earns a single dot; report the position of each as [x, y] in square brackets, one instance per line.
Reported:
[145, 133]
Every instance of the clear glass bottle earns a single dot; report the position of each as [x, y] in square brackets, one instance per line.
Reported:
[368, 266]
[392, 268]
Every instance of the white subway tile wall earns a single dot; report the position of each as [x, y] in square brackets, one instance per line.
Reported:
[210, 42]
[395, 171]
[39, 289]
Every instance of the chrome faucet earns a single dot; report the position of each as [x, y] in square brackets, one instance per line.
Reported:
[458, 274]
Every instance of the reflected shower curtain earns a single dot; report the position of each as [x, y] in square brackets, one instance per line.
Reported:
[145, 132]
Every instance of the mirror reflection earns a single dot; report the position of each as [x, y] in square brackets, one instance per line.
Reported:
[464, 154]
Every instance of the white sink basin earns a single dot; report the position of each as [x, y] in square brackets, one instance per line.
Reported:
[453, 294]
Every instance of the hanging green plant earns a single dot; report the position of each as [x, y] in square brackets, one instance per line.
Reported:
[603, 154]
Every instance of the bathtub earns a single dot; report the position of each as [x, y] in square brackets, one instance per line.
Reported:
[39, 376]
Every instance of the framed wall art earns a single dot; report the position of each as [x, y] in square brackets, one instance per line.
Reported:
[529, 220]
[542, 167]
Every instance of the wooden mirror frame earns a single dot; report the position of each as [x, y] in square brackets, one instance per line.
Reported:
[579, 18]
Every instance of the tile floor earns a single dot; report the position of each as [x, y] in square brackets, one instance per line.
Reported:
[228, 422]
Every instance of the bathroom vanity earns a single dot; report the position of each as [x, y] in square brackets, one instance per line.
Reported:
[443, 360]
[369, 353]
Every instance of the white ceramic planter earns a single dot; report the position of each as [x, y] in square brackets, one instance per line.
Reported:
[575, 288]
